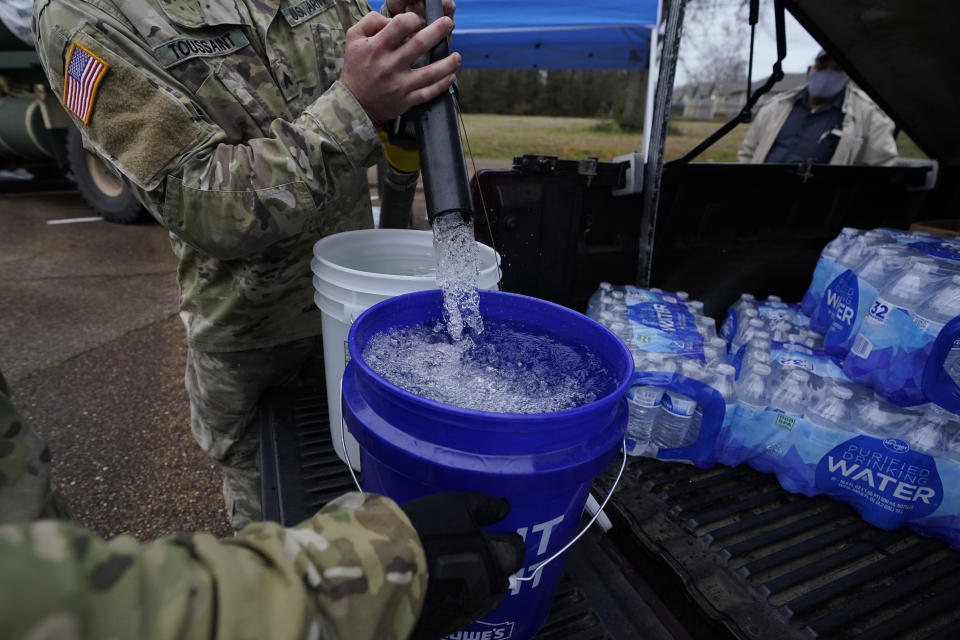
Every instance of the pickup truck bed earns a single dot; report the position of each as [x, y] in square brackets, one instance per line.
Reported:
[715, 553]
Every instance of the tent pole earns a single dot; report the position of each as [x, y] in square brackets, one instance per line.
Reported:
[653, 70]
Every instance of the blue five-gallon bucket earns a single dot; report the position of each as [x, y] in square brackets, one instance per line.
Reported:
[543, 463]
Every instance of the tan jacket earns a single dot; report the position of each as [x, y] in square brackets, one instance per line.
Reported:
[866, 138]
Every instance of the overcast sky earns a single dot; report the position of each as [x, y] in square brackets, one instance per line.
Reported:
[728, 23]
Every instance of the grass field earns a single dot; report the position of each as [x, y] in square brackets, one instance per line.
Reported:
[504, 136]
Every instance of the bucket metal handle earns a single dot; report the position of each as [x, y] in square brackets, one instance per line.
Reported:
[343, 440]
[514, 580]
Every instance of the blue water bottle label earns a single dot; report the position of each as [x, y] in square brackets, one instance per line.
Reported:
[729, 327]
[845, 308]
[647, 397]
[884, 479]
[680, 407]
[879, 312]
[834, 301]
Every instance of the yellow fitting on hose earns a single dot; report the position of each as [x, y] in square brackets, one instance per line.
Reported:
[400, 158]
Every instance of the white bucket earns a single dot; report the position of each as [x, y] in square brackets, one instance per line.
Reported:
[355, 270]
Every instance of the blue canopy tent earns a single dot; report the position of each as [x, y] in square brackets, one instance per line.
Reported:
[555, 34]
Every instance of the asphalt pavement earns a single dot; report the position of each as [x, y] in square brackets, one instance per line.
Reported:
[93, 348]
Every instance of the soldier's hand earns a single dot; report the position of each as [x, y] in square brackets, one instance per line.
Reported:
[468, 569]
[396, 7]
[377, 59]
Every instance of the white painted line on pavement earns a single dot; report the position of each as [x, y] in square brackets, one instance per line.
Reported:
[73, 220]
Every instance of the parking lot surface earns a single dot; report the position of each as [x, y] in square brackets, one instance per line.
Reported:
[93, 349]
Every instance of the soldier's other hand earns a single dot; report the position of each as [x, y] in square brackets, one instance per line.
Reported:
[468, 569]
[377, 59]
[396, 7]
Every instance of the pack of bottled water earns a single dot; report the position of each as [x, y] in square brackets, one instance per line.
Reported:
[887, 303]
[797, 416]
[683, 389]
[774, 312]
[771, 396]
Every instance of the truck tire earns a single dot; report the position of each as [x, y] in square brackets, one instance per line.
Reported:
[100, 186]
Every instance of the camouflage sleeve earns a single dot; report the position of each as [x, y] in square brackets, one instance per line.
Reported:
[26, 491]
[228, 200]
[354, 571]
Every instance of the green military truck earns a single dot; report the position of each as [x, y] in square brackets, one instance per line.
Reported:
[37, 135]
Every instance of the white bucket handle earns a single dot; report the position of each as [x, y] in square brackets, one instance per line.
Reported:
[514, 580]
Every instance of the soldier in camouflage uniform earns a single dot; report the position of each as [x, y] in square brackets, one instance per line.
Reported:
[360, 569]
[245, 127]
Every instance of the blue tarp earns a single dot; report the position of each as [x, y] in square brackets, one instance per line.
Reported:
[555, 34]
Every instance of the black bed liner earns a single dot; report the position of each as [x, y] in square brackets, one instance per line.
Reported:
[693, 553]
[765, 563]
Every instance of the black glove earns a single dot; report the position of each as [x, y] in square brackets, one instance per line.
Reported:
[469, 569]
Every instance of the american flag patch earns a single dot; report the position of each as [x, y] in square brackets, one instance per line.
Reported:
[84, 73]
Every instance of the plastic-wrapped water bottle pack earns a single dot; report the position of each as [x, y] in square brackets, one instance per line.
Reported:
[821, 433]
[683, 383]
[769, 394]
[888, 305]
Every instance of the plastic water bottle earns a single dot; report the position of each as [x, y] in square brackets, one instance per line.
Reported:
[833, 408]
[746, 301]
[674, 425]
[735, 316]
[951, 437]
[757, 352]
[712, 355]
[859, 250]
[622, 330]
[862, 247]
[707, 327]
[683, 295]
[876, 417]
[695, 307]
[723, 382]
[780, 331]
[752, 388]
[774, 299]
[908, 289]
[831, 413]
[929, 434]
[944, 305]
[716, 347]
[645, 401]
[887, 262]
[743, 336]
[792, 394]
[593, 304]
[826, 269]
[813, 339]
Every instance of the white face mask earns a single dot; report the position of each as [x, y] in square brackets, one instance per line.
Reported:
[826, 83]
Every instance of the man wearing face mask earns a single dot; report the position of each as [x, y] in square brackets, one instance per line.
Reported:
[828, 121]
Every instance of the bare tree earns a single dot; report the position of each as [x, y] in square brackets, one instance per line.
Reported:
[713, 47]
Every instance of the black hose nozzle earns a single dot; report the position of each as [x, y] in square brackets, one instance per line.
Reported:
[442, 165]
